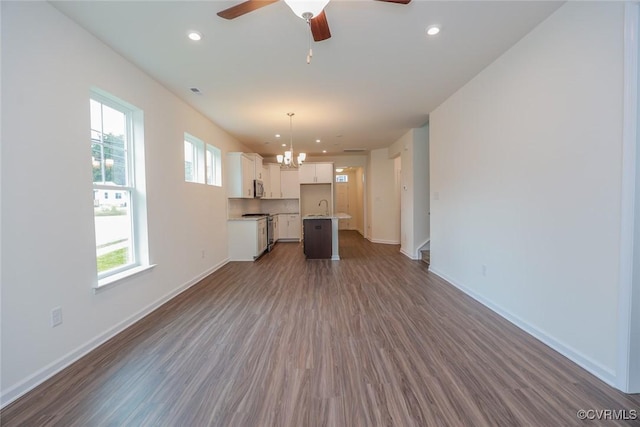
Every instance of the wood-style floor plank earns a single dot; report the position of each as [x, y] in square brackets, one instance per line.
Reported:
[371, 340]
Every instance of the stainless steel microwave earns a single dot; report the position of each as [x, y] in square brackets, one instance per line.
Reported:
[258, 188]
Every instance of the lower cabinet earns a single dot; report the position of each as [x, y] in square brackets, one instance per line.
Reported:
[276, 228]
[247, 239]
[289, 227]
[317, 238]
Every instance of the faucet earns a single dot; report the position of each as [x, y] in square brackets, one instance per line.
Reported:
[327, 209]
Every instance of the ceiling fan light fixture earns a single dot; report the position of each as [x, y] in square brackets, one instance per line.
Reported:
[307, 9]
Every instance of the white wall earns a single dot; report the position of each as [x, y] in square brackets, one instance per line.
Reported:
[413, 151]
[632, 382]
[525, 160]
[49, 65]
[421, 199]
[384, 219]
[360, 202]
[311, 195]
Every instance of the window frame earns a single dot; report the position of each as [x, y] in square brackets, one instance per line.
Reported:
[213, 158]
[198, 157]
[133, 193]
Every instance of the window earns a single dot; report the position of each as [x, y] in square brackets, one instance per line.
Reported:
[193, 159]
[342, 178]
[117, 195]
[201, 164]
[214, 166]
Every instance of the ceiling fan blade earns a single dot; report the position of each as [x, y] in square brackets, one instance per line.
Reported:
[320, 27]
[397, 1]
[244, 7]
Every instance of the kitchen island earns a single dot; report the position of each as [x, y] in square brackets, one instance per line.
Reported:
[321, 236]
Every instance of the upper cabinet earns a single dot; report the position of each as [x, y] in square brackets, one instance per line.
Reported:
[266, 180]
[274, 186]
[240, 175]
[316, 173]
[290, 185]
[257, 165]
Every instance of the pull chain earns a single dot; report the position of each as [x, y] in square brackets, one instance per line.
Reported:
[310, 54]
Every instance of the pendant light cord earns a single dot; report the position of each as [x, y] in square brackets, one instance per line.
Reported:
[291, 139]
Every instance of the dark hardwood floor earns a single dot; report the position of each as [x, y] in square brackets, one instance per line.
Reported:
[372, 340]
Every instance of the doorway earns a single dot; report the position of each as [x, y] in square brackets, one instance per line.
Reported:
[349, 195]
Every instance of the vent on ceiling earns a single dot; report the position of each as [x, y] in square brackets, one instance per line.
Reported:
[354, 150]
[195, 90]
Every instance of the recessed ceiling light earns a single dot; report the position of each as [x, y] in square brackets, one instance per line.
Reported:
[324, 151]
[339, 170]
[194, 35]
[433, 30]
[284, 145]
[317, 141]
[277, 135]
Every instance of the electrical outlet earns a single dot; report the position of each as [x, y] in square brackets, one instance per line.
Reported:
[56, 316]
[484, 270]
[202, 254]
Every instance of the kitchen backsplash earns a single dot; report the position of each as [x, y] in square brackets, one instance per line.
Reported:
[237, 207]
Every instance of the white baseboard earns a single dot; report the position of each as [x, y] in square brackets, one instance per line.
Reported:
[385, 242]
[605, 374]
[408, 255]
[40, 376]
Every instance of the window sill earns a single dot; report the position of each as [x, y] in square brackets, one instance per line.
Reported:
[111, 281]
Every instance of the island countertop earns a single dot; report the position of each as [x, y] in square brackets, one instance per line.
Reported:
[338, 215]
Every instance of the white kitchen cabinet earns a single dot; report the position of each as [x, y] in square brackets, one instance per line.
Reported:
[247, 239]
[289, 225]
[275, 189]
[257, 165]
[276, 228]
[240, 175]
[290, 184]
[266, 180]
[316, 173]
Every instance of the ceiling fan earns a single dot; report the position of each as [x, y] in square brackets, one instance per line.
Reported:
[311, 11]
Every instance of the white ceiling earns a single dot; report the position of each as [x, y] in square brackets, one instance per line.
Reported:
[377, 76]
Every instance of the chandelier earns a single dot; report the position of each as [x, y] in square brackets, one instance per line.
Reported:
[288, 158]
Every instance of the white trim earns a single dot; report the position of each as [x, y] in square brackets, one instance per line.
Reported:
[627, 211]
[40, 376]
[409, 255]
[385, 242]
[605, 374]
[118, 278]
